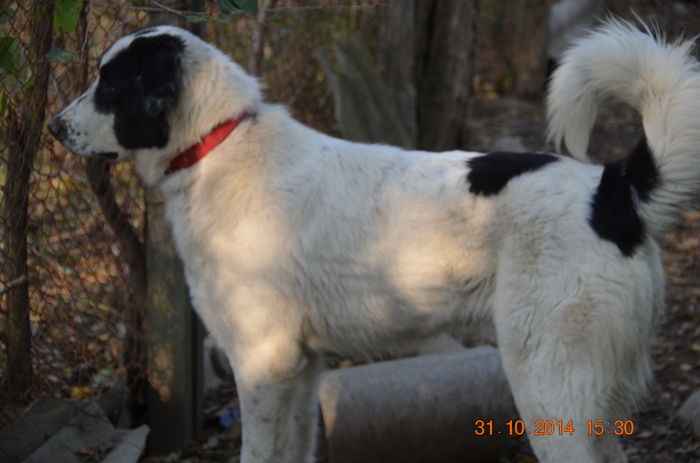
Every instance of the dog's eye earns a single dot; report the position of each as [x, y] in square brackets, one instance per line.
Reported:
[106, 86]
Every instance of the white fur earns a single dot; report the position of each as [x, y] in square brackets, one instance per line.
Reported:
[296, 243]
[661, 81]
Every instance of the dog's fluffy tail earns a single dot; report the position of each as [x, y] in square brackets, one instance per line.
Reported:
[659, 79]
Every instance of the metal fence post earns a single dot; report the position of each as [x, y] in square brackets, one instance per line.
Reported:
[174, 332]
[173, 340]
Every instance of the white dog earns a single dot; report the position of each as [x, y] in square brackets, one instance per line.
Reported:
[296, 243]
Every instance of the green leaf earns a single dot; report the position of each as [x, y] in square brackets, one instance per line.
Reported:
[6, 13]
[67, 15]
[10, 53]
[227, 6]
[231, 6]
[249, 6]
[194, 19]
[59, 54]
[281, 22]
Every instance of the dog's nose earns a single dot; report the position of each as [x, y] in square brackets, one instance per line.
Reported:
[57, 128]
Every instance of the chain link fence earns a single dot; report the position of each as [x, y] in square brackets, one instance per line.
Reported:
[76, 281]
[67, 303]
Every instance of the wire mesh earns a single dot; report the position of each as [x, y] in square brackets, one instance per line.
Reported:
[77, 282]
[79, 294]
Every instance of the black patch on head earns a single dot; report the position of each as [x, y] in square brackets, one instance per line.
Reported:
[614, 214]
[139, 32]
[490, 173]
[138, 85]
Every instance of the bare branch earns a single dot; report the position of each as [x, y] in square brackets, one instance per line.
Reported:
[167, 9]
[98, 172]
[158, 7]
[13, 284]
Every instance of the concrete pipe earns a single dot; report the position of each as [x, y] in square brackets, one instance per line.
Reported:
[421, 409]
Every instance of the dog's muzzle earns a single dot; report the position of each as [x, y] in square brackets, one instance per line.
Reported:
[58, 129]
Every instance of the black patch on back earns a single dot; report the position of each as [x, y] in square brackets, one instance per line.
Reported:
[138, 85]
[614, 214]
[490, 173]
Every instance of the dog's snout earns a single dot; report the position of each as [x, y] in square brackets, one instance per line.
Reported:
[57, 128]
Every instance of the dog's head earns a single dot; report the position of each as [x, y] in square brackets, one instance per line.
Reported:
[159, 90]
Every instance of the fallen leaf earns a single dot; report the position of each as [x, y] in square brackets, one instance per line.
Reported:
[79, 393]
[345, 363]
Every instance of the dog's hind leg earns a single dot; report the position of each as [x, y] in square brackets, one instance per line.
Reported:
[574, 344]
[556, 394]
[277, 387]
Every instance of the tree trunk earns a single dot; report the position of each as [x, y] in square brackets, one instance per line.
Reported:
[398, 59]
[428, 55]
[445, 65]
[134, 351]
[255, 61]
[24, 137]
[198, 28]
[529, 21]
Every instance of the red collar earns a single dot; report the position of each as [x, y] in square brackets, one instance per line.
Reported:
[195, 153]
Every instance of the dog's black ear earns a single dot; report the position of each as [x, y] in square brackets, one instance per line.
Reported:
[161, 73]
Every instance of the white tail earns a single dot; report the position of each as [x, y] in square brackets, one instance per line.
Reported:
[661, 80]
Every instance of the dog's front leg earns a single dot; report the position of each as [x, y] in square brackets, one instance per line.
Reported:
[277, 384]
